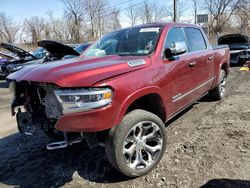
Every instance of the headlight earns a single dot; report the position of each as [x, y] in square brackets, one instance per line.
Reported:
[78, 100]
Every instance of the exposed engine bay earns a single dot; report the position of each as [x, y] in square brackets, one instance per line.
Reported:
[39, 109]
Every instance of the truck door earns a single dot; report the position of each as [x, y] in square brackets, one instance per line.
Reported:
[180, 76]
[201, 60]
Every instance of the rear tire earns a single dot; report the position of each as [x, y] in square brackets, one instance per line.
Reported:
[219, 91]
[136, 145]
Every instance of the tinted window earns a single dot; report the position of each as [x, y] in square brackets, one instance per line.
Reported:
[174, 35]
[195, 39]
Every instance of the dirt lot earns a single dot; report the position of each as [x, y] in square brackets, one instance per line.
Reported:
[208, 146]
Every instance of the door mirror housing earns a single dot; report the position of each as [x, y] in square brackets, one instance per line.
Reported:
[177, 48]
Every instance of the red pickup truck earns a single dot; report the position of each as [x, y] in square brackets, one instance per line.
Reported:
[121, 91]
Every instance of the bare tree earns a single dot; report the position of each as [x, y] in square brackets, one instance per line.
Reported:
[147, 16]
[35, 27]
[115, 20]
[152, 12]
[220, 12]
[133, 14]
[181, 7]
[8, 29]
[195, 6]
[96, 14]
[74, 14]
[243, 17]
[158, 12]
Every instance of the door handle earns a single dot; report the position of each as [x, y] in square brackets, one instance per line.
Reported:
[191, 64]
[210, 58]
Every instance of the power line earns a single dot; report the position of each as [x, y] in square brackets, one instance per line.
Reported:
[130, 6]
[118, 3]
[35, 9]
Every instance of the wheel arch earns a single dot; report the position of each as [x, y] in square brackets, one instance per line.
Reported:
[155, 103]
[225, 67]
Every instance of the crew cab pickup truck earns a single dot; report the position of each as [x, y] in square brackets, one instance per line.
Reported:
[121, 91]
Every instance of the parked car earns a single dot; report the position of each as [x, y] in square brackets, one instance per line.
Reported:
[122, 91]
[49, 51]
[22, 56]
[4, 57]
[239, 46]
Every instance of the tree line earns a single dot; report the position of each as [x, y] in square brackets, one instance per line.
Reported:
[85, 20]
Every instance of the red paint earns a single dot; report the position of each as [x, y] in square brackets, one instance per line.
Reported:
[159, 76]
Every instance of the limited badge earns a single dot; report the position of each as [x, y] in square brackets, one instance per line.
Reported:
[136, 62]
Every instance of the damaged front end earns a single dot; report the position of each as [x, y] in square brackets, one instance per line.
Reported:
[40, 105]
[37, 106]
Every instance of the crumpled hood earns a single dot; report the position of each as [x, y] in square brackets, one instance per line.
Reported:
[80, 72]
[21, 53]
[6, 56]
[234, 39]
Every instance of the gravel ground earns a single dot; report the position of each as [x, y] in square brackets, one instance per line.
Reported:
[207, 146]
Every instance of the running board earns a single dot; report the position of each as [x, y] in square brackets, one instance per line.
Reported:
[62, 144]
[56, 145]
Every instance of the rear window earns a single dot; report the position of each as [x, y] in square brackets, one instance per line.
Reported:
[195, 39]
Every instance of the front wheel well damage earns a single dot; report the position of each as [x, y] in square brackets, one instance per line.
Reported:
[152, 103]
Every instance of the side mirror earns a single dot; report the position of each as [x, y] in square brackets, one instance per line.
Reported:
[177, 48]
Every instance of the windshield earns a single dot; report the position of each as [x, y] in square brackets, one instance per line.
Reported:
[131, 41]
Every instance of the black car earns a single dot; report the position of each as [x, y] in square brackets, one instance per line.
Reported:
[239, 46]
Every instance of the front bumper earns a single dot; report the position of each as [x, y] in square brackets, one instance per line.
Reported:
[44, 106]
[92, 121]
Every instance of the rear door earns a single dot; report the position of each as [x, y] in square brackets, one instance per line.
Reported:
[180, 77]
[202, 60]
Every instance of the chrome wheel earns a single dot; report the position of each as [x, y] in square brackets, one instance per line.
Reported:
[142, 145]
[222, 83]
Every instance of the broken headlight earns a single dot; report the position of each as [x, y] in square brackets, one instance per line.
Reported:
[79, 100]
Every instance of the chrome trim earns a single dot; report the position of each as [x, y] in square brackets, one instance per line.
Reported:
[176, 96]
[185, 107]
[82, 106]
[191, 91]
[81, 92]
[86, 106]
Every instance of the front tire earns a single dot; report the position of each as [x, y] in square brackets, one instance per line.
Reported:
[219, 91]
[136, 145]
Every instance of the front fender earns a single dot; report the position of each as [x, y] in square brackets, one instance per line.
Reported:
[136, 95]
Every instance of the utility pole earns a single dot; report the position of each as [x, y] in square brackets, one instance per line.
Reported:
[175, 10]
[195, 11]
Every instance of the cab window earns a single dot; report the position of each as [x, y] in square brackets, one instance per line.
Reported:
[195, 39]
[174, 35]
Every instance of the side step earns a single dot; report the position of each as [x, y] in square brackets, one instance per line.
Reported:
[57, 145]
[62, 144]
